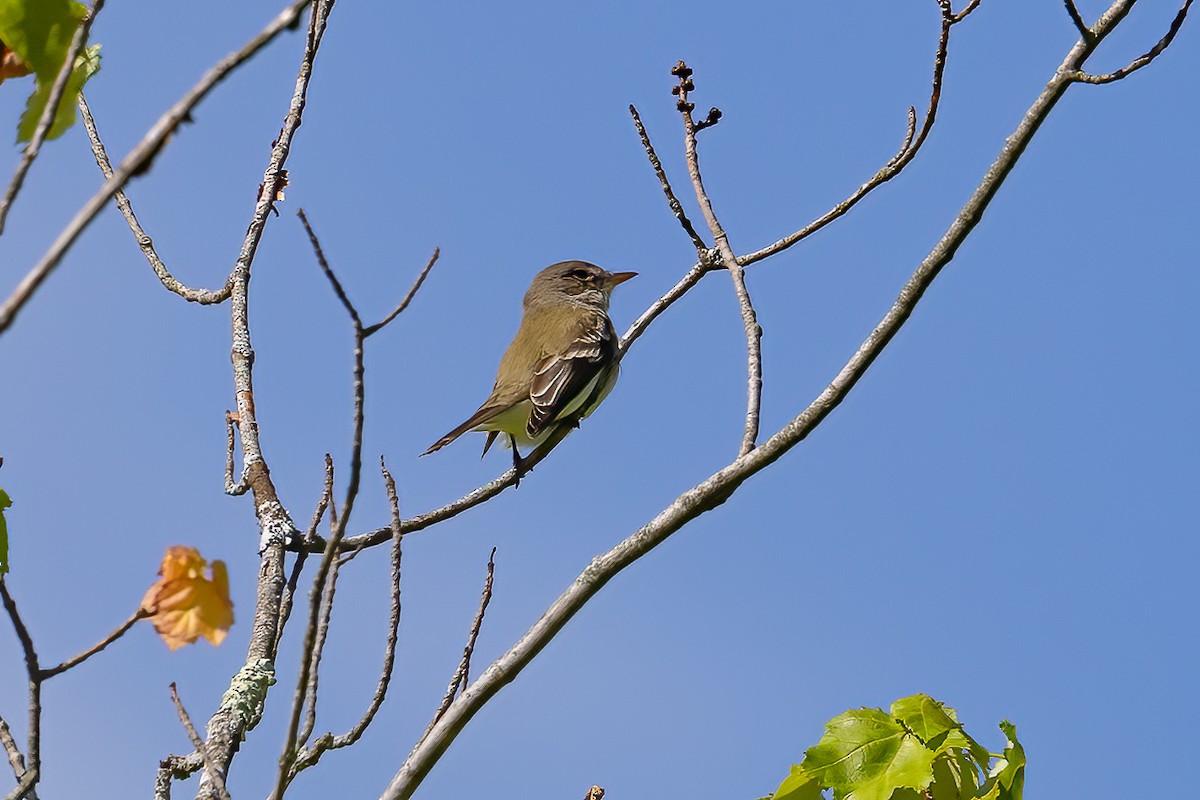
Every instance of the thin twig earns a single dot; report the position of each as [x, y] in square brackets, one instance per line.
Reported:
[311, 755]
[324, 614]
[198, 743]
[903, 157]
[461, 677]
[753, 330]
[201, 296]
[137, 158]
[1077, 20]
[178, 768]
[76, 660]
[1140, 61]
[639, 325]
[721, 485]
[333, 280]
[46, 120]
[33, 751]
[15, 758]
[412, 292]
[242, 485]
[672, 200]
[971, 6]
[285, 607]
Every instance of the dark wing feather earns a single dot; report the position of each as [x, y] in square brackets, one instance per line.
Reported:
[559, 377]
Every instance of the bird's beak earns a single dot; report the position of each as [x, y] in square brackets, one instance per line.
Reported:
[618, 277]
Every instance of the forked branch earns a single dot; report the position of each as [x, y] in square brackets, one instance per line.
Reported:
[1142, 60]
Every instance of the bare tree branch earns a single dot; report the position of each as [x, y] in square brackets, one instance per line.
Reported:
[33, 751]
[672, 200]
[212, 774]
[25, 787]
[1080, 25]
[242, 485]
[15, 759]
[78, 659]
[34, 747]
[285, 608]
[404, 301]
[721, 485]
[46, 120]
[971, 6]
[201, 296]
[137, 158]
[908, 149]
[311, 755]
[639, 325]
[736, 271]
[241, 706]
[462, 674]
[1142, 60]
[178, 768]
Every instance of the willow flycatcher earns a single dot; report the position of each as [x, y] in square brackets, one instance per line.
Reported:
[561, 364]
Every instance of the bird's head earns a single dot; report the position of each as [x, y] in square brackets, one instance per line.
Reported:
[575, 282]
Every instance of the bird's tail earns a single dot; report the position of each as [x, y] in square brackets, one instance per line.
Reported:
[482, 415]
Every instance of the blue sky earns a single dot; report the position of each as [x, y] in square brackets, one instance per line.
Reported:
[1002, 514]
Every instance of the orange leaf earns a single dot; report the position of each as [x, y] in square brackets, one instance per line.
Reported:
[184, 605]
[11, 65]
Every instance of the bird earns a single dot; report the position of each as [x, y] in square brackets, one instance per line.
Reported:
[560, 365]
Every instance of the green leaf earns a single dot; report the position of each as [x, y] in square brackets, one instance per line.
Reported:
[937, 725]
[799, 785]
[1006, 780]
[87, 65]
[5, 502]
[955, 776]
[40, 32]
[927, 717]
[866, 755]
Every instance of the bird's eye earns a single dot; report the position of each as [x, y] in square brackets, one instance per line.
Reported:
[580, 275]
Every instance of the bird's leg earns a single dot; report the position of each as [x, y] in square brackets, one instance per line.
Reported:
[518, 462]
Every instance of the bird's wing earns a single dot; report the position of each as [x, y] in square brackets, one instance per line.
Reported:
[560, 378]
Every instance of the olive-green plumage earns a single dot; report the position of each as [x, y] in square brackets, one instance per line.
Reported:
[559, 366]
